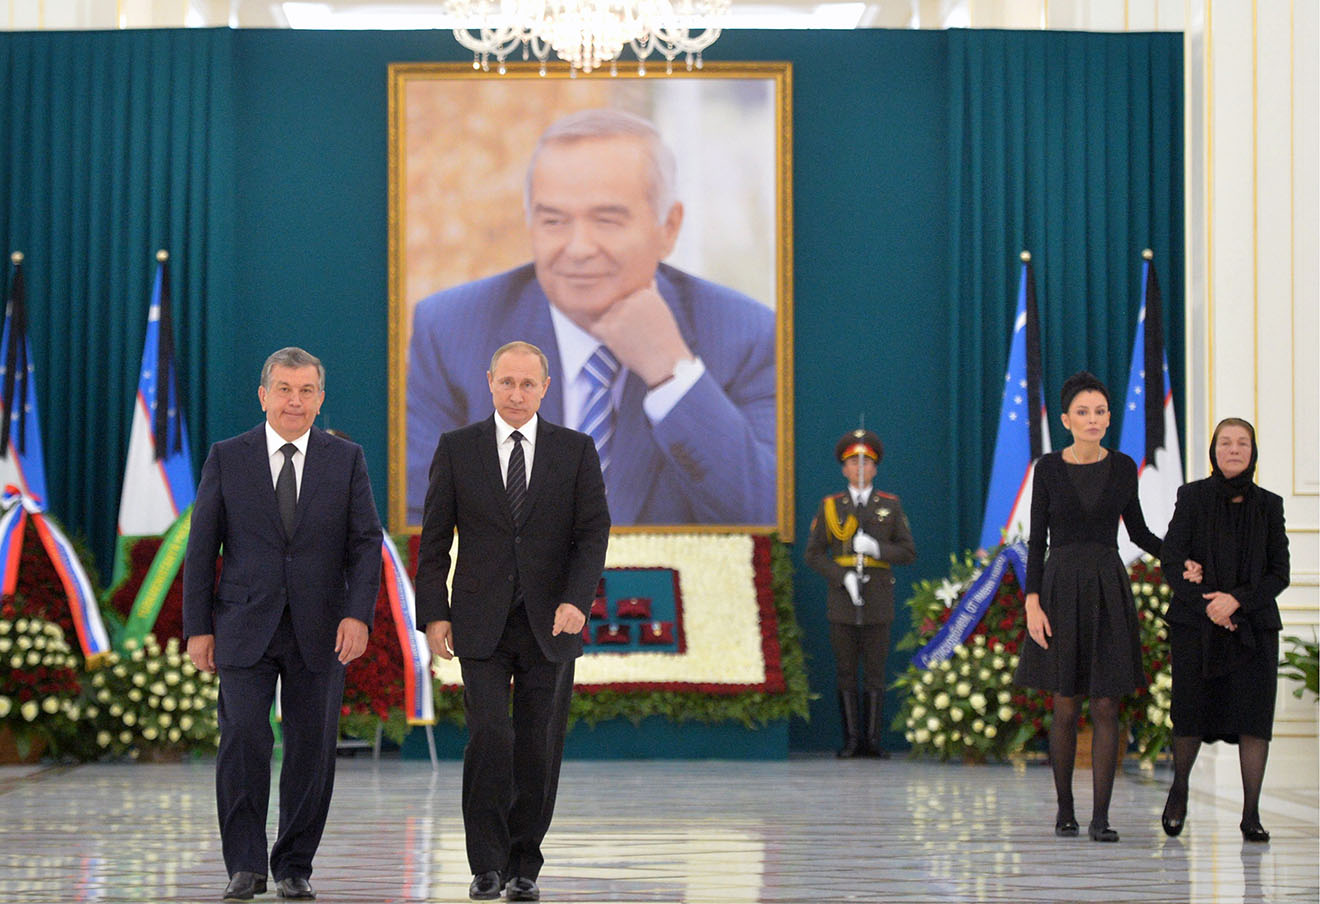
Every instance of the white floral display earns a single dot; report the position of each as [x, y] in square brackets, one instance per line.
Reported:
[721, 618]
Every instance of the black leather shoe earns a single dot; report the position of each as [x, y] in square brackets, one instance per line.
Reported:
[294, 887]
[485, 886]
[520, 889]
[1101, 833]
[243, 886]
[1065, 826]
[1254, 832]
[1175, 811]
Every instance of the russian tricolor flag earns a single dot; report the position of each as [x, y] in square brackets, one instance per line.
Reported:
[23, 479]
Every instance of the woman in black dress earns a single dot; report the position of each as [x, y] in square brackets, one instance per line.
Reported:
[1226, 559]
[1080, 611]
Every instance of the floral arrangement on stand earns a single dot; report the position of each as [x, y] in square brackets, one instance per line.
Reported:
[39, 686]
[967, 707]
[150, 701]
[373, 684]
[146, 701]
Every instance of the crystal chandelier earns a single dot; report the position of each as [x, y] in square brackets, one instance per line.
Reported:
[587, 33]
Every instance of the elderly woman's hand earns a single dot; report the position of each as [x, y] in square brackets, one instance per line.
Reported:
[1192, 572]
[1221, 607]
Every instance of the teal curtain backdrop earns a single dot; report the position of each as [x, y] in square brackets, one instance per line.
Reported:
[1068, 146]
[113, 145]
[259, 158]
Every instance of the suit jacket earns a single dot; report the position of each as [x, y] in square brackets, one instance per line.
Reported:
[882, 518]
[1188, 537]
[328, 570]
[711, 460]
[554, 555]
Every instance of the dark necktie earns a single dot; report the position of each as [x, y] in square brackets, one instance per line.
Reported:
[286, 489]
[515, 483]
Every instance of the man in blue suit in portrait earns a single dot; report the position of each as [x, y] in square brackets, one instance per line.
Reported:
[290, 510]
[671, 375]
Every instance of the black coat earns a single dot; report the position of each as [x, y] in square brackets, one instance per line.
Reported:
[1188, 538]
[554, 556]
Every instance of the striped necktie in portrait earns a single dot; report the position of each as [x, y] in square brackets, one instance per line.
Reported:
[598, 410]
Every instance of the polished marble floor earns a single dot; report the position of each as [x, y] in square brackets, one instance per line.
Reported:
[814, 829]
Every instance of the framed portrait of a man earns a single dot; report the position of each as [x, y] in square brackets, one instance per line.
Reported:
[635, 229]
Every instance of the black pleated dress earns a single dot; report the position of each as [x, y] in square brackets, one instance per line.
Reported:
[1095, 649]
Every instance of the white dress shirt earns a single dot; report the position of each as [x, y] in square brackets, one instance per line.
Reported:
[504, 445]
[860, 497]
[274, 443]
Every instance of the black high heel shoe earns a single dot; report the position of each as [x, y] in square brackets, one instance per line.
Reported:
[1173, 825]
[1065, 825]
[1254, 832]
[1101, 833]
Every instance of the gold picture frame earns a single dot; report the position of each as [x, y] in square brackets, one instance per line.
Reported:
[459, 143]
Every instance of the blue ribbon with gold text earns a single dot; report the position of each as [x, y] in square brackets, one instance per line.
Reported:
[971, 607]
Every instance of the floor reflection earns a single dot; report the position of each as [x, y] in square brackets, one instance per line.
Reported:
[664, 831]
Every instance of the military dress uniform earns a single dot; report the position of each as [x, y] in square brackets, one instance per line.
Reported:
[860, 633]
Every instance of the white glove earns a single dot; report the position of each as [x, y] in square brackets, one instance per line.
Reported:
[853, 585]
[866, 544]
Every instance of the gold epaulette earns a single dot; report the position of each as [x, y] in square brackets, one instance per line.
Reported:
[840, 530]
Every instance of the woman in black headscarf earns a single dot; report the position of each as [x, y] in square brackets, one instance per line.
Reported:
[1226, 558]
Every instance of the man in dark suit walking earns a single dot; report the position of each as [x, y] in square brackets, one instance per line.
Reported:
[528, 501]
[292, 508]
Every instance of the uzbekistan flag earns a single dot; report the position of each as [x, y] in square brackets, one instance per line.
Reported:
[1023, 429]
[1150, 429]
[158, 481]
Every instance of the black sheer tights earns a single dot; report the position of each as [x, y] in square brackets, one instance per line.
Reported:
[1184, 757]
[1104, 753]
[1252, 754]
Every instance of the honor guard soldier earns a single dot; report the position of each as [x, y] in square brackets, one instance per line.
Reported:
[856, 538]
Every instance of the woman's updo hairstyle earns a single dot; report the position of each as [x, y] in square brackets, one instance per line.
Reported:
[1082, 381]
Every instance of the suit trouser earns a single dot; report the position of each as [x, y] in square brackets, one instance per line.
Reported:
[867, 645]
[309, 706]
[511, 765]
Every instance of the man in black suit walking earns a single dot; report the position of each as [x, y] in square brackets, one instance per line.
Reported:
[528, 501]
[292, 508]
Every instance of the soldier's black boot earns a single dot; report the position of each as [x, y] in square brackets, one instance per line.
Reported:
[852, 735]
[873, 707]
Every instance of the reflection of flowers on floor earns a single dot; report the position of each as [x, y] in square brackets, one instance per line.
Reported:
[967, 707]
